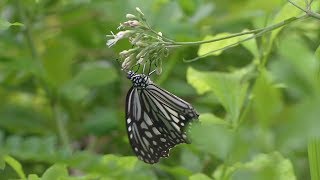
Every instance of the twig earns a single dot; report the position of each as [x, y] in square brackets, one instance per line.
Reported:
[264, 31]
[307, 11]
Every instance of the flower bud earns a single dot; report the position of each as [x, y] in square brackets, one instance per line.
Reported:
[131, 16]
[139, 11]
[127, 62]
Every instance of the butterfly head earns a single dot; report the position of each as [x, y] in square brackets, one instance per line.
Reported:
[138, 80]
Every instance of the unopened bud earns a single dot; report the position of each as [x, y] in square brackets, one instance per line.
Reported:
[131, 16]
[139, 11]
[127, 62]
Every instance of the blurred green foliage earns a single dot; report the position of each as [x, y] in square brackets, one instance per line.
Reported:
[62, 92]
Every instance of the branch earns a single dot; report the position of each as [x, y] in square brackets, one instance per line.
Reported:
[307, 11]
[264, 31]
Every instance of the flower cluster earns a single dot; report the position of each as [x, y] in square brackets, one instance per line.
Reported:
[148, 46]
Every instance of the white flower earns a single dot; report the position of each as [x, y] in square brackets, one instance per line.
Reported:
[117, 37]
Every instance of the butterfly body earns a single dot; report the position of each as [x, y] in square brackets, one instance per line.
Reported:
[156, 119]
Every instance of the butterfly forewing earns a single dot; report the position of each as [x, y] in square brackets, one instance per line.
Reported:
[156, 121]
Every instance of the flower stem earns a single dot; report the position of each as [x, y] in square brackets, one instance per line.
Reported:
[314, 158]
[260, 33]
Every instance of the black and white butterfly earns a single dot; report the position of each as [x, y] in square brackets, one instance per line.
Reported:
[156, 119]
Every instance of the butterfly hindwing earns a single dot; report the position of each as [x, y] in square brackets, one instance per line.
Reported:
[156, 121]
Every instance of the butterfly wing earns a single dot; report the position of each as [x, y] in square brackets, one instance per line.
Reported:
[156, 121]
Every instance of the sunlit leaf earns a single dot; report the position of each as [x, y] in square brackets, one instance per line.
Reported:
[199, 176]
[205, 49]
[15, 165]
[219, 136]
[56, 171]
[262, 166]
[229, 88]
[266, 109]
[5, 24]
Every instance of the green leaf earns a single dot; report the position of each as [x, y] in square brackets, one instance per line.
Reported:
[262, 166]
[125, 163]
[199, 176]
[286, 12]
[250, 45]
[15, 165]
[5, 24]
[229, 88]
[221, 136]
[56, 171]
[206, 48]
[267, 101]
[33, 177]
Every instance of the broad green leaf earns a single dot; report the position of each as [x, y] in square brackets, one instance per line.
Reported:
[15, 165]
[206, 48]
[188, 156]
[210, 119]
[229, 88]
[199, 176]
[286, 12]
[56, 171]
[125, 163]
[301, 122]
[5, 24]
[250, 45]
[267, 101]
[33, 177]
[302, 62]
[221, 136]
[176, 170]
[262, 166]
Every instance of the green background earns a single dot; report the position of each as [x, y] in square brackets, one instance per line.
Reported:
[62, 91]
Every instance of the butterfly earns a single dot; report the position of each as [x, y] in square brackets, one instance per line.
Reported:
[156, 120]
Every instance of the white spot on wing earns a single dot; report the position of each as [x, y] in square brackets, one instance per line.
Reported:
[155, 130]
[175, 119]
[129, 120]
[176, 126]
[148, 134]
[147, 119]
[172, 111]
[143, 125]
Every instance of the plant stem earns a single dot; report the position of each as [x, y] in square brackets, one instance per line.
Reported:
[213, 40]
[307, 11]
[314, 158]
[57, 116]
[260, 33]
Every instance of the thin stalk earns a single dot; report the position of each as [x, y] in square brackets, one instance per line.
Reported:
[314, 158]
[62, 131]
[307, 11]
[212, 40]
[264, 31]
